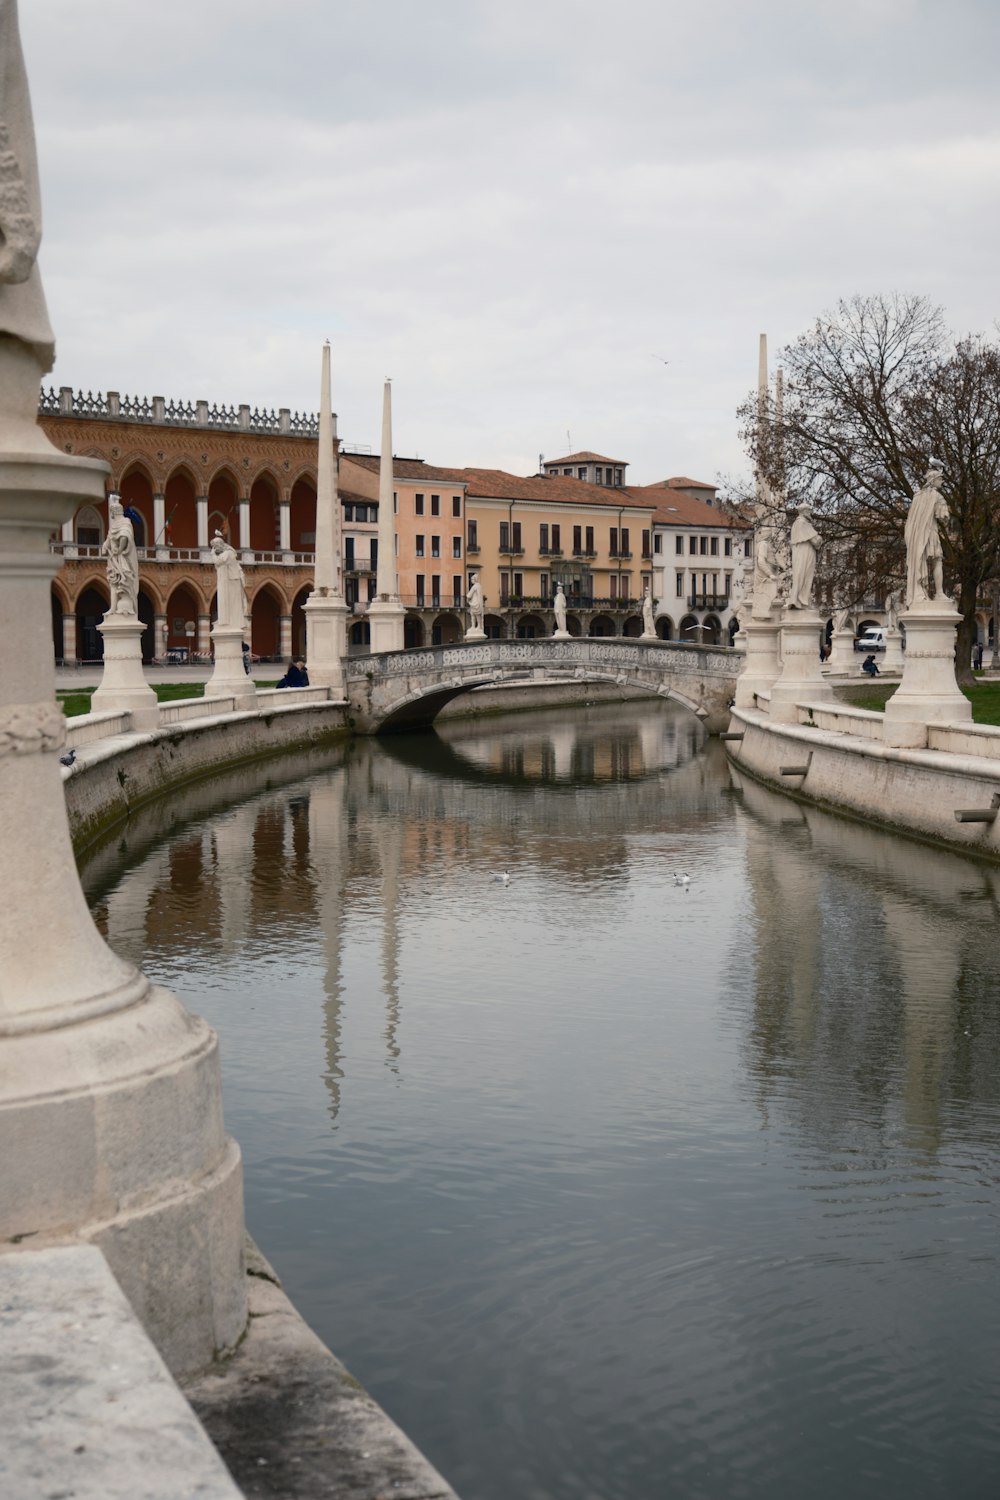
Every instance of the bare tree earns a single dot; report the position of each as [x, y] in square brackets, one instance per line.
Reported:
[872, 391]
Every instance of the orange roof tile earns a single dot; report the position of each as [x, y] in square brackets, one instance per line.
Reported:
[587, 458]
[679, 482]
[675, 508]
[496, 484]
[404, 468]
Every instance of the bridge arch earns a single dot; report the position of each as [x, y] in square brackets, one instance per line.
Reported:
[406, 689]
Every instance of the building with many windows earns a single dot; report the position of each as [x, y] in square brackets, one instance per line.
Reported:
[187, 470]
[699, 548]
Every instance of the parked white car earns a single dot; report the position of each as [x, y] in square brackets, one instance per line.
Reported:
[872, 640]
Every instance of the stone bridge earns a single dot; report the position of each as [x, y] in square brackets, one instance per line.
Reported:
[402, 690]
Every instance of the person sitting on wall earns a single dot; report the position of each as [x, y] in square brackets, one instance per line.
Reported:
[870, 665]
[296, 675]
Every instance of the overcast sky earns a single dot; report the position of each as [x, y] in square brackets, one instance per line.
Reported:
[518, 209]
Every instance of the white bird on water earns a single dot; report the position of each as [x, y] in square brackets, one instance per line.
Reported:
[684, 880]
[503, 878]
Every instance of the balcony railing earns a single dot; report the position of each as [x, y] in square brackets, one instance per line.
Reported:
[74, 551]
[708, 601]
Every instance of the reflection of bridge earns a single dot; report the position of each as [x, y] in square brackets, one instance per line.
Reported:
[406, 689]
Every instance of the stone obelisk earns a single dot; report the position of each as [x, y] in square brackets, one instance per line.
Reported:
[110, 1103]
[386, 613]
[760, 621]
[326, 608]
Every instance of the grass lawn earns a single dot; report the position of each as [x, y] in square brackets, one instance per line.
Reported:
[77, 700]
[984, 697]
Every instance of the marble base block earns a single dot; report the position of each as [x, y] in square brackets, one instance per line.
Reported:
[123, 686]
[326, 642]
[385, 618]
[475, 635]
[892, 661]
[843, 657]
[762, 662]
[230, 678]
[929, 692]
[801, 679]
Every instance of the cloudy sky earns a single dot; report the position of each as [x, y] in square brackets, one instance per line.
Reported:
[517, 209]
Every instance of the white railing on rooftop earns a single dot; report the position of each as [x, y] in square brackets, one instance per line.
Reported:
[160, 411]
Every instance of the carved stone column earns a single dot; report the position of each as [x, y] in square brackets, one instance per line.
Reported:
[69, 638]
[284, 636]
[110, 1103]
[204, 637]
[159, 538]
[245, 526]
[201, 519]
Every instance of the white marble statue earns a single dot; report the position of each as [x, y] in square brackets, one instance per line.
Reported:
[123, 561]
[805, 540]
[768, 577]
[648, 623]
[892, 603]
[924, 553]
[230, 585]
[27, 343]
[840, 619]
[23, 313]
[476, 602]
[559, 604]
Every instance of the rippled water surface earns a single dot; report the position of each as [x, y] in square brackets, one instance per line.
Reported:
[603, 1186]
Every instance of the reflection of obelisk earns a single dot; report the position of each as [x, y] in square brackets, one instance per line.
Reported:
[927, 950]
[386, 613]
[329, 859]
[233, 834]
[390, 845]
[109, 1090]
[326, 608]
[785, 948]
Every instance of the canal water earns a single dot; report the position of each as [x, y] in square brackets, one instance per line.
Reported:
[605, 1186]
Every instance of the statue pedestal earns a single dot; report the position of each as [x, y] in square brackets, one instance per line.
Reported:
[843, 658]
[385, 618]
[761, 663]
[801, 679]
[561, 635]
[110, 1100]
[229, 677]
[928, 693]
[648, 635]
[475, 635]
[326, 642]
[893, 661]
[123, 687]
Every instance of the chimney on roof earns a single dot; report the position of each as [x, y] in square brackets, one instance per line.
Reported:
[541, 461]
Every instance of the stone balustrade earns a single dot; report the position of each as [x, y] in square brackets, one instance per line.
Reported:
[87, 729]
[841, 719]
[166, 412]
[965, 739]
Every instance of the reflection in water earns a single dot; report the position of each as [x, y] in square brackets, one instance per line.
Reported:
[868, 983]
[603, 1186]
